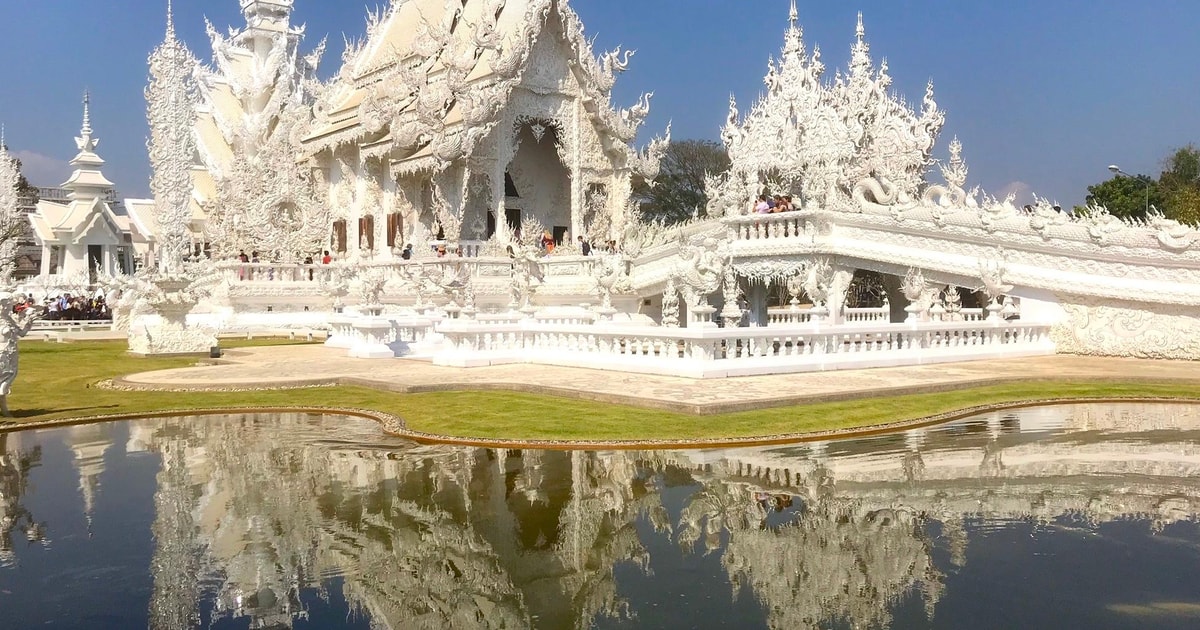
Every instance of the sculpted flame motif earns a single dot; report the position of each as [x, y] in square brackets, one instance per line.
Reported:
[839, 136]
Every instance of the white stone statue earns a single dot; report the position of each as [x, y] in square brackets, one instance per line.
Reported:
[670, 305]
[12, 327]
[915, 289]
[609, 276]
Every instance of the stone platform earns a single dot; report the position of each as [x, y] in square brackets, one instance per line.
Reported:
[312, 365]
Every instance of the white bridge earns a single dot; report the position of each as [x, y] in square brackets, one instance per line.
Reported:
[1082, 285]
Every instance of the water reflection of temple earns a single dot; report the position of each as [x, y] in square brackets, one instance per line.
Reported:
[16, 462]
[255, 513]
[88, 444]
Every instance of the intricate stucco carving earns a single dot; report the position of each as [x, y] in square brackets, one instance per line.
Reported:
[163, 301]
[526, 65]
[13, 222]
[1127, 329]
[12, 328]
[170, 100]
[268, 202]
[837, 134]
[701, 269]
[610, 275]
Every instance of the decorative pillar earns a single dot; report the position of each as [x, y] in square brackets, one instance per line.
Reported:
[358, 208]
[576, 169]
[838, 287]
[757, 297]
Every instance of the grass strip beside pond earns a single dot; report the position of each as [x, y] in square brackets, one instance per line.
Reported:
[57, 381]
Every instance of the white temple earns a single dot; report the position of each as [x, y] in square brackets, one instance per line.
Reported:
[92, 231]
[470, 128]
[465, 119]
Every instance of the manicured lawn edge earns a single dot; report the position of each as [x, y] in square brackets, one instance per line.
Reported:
[58, 383]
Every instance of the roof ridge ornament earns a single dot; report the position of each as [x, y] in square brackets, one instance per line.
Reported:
[86, 129]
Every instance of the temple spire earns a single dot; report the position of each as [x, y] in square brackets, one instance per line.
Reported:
[793, 15]
[170, 21]
[860, 31]
[86, 129]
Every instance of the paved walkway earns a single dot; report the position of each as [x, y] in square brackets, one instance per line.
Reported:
[290, 366]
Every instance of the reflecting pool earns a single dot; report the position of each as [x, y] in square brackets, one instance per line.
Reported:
[1072, 516]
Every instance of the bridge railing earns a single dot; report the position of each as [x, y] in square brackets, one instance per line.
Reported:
[719, 352]
[783, 225]
[860, 315]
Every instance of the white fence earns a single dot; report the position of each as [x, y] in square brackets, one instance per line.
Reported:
[786, 315]
[784, 225]
[721, 352]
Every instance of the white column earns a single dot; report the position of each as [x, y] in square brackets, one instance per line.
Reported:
[359, 209]
[389, 207]
[577, 170]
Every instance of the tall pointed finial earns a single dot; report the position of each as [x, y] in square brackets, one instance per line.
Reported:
[3, 144]
[859, 31]
[793, 15]
[170, 21]
[86, 130]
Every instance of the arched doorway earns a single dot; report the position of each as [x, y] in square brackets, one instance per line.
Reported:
[540, 180]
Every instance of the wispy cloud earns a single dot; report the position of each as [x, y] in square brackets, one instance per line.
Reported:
[1022, 193]
[43, 170]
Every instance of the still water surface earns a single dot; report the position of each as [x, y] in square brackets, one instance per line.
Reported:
[1076, 516]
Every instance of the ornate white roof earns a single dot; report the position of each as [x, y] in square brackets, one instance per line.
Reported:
[810, 136]
[432, 75]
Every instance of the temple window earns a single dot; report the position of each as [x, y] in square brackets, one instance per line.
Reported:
[395, 226]
[339, 236]
[366, 232]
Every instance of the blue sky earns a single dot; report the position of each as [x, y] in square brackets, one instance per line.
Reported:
[1043, 94]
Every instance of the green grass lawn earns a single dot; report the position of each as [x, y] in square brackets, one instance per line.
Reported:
[57, 381]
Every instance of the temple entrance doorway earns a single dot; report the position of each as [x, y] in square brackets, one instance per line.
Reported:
[540, 180]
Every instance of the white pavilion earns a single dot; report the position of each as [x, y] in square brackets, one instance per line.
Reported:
[90, 230]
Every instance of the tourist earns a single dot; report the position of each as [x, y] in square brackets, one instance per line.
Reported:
[326, 258]
[547, 242]
[407, 252]
[585, 247]
[308, 260]
[441, 251]
[762, 207]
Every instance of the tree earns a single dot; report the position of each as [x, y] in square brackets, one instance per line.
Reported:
[1126, 197]
[1180, 184]
[678, 192]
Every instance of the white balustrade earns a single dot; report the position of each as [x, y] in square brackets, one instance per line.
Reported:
[787, 315]
[714, 353]
[754, 227]
[873, 315]
[270, 272]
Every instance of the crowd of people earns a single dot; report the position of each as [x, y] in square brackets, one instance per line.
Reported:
[66, 307]
[768, 204]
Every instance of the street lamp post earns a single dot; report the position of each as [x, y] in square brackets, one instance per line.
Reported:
[1116, 170]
